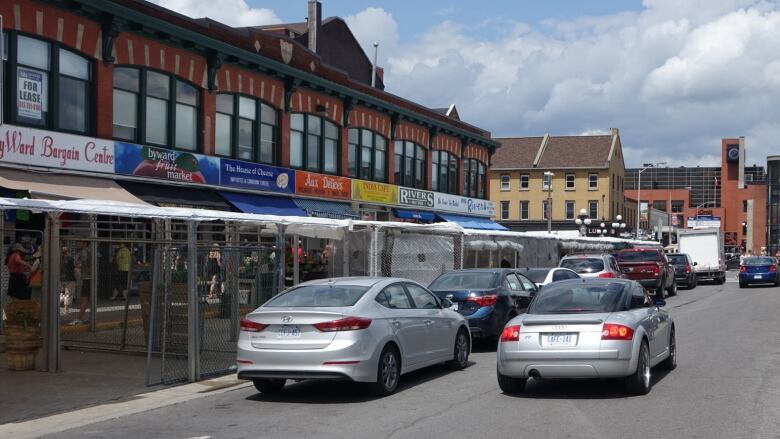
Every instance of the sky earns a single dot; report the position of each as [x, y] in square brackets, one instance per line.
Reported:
[675, 76]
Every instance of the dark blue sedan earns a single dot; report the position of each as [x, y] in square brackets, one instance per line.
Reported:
[758, 270]
[487, 297]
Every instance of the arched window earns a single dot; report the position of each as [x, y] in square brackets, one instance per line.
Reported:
[367, 155]
[409, 164]
[314, 143]
[246, 129]
[444, 172]
[155, 108]
[51, 84]
[474, 178]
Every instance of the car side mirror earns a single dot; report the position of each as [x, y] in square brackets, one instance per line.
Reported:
[446, 303]
[695, 263]
[660, 303]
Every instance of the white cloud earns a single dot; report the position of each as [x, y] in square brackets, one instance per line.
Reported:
[675, 77]
[374, 25]
[230, 12]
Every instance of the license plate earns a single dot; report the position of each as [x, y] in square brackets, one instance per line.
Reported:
[757, 276]
[288, 332]
[454, 306]
[559, 340]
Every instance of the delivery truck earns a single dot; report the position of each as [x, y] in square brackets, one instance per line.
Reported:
[705, 246]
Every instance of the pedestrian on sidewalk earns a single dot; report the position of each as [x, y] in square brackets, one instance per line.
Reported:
[214, 272]
[122, 260]
[18, 272]
[68, 281]
[84, 275]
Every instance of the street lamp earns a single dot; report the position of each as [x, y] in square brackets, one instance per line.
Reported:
[548, 178]
[639, 191]
[583, 221]
[602, 229]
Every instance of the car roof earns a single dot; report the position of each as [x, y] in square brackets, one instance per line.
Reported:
[641, 249]
[365, 281]
[480, 270]
[594, 281]
[540, 269]
[586, 256]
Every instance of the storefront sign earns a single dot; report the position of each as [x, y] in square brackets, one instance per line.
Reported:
[470, 206]
[415, 197]
[28, 146]
[321, 185]
[703, 221]
[147, 161]
[245, 175]
[31, 99]
[374, 192]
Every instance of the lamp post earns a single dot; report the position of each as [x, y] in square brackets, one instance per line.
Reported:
[548, 178]
[646, 166]
[583, 220]
[618, 225]
[373, 68]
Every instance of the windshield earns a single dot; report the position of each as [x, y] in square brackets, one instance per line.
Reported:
[536, 276]
[759, 261]
[638, 256]
[464, 281]
[579, 298]
[677, 259]
[319, 296]
[583, 265]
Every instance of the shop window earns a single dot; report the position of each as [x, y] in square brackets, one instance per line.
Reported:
[474, 178]
[367, 155]
[53, 86]
[570, 182]
[505, 210]
[593, 209]
[524, 210]
[570, 210]
[168, 107]
[525, 182]
[409, 164]
[444, 167]
[659, 205]
[313, 143]
[246, 128]
[677, 206]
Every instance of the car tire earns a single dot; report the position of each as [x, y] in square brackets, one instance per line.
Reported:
[673, 289]
[460, 355]
[660, 292]
[388, 372]
[638, 383]
[670, 363]
[694, 282]
[742, 285]
[269, 386]
[722, 279]
[510, 385]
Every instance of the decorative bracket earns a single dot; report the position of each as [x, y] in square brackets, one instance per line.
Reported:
[349, 104]
[110, 30]
[290, 86]
[395, 119]
[432, 132]
[214, 61]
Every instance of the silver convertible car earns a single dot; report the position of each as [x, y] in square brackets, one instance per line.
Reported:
[370, 330]
[588, 328]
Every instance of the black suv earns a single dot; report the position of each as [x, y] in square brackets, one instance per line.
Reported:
[683, 269]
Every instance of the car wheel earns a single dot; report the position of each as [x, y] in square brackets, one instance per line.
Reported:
[660, 292]
[269, 386]
[460, 358]
[638, 383]
[388, 372]
[742, 285]
[722, 279]
[510, 385]
[694, 282]
[670, 363]
[673, 289]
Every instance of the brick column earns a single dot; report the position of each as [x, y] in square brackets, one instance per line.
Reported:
[344, 151]
[284, 139]
[208, 104]
[104, 109]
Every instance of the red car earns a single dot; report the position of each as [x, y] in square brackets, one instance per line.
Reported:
[649, 267]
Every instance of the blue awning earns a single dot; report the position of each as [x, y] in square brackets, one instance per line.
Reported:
[471, 222]
[263, 205]
[415, 214]
[326, 209]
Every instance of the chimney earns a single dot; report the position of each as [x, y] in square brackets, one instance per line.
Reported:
[614, 131]
[314, 24]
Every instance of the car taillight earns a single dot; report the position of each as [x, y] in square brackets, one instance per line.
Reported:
[656, 270]
[481, 301]
[511, 333]
[772, 268]
[742, 269]
[612, 331]
[345, 324]
[607, 275]
[687, 268]
[250, 326]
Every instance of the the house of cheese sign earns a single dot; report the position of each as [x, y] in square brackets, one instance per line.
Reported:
[28, 146]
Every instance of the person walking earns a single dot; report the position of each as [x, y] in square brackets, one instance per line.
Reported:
[214, 272]
[84, 274]
[123, 257]
[18, 272]
[67, 281]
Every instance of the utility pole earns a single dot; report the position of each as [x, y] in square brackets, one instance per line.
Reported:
[373, 69]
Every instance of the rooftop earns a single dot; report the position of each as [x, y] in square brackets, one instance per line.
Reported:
[553, 152]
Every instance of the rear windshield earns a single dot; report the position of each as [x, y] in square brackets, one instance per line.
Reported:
[536, 276]
[583, 265]
[319, 296]
[464, 281]
[759, 261]
[580, 298]
[677, 259]
[637, 256]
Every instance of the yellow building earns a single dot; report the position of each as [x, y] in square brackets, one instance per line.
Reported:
[588, 173]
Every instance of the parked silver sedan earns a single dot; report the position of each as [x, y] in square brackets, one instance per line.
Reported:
[370, 330]
[588, 328]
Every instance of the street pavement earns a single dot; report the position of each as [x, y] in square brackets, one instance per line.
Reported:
[727, 385]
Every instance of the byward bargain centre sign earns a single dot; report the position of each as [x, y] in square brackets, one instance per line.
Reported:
[464, 205]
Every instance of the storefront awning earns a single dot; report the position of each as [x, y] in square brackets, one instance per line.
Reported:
[51, 186]
[263, 205]
[326, 209]
[172, 195]
[415, 214]
[471, 222]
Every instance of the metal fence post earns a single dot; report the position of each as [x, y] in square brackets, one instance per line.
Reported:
[51, 296]
[296, 260]
[93, 250]
[233, 279]
[193, 320]
[346, 257]
[2, 240]
[281, 252]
